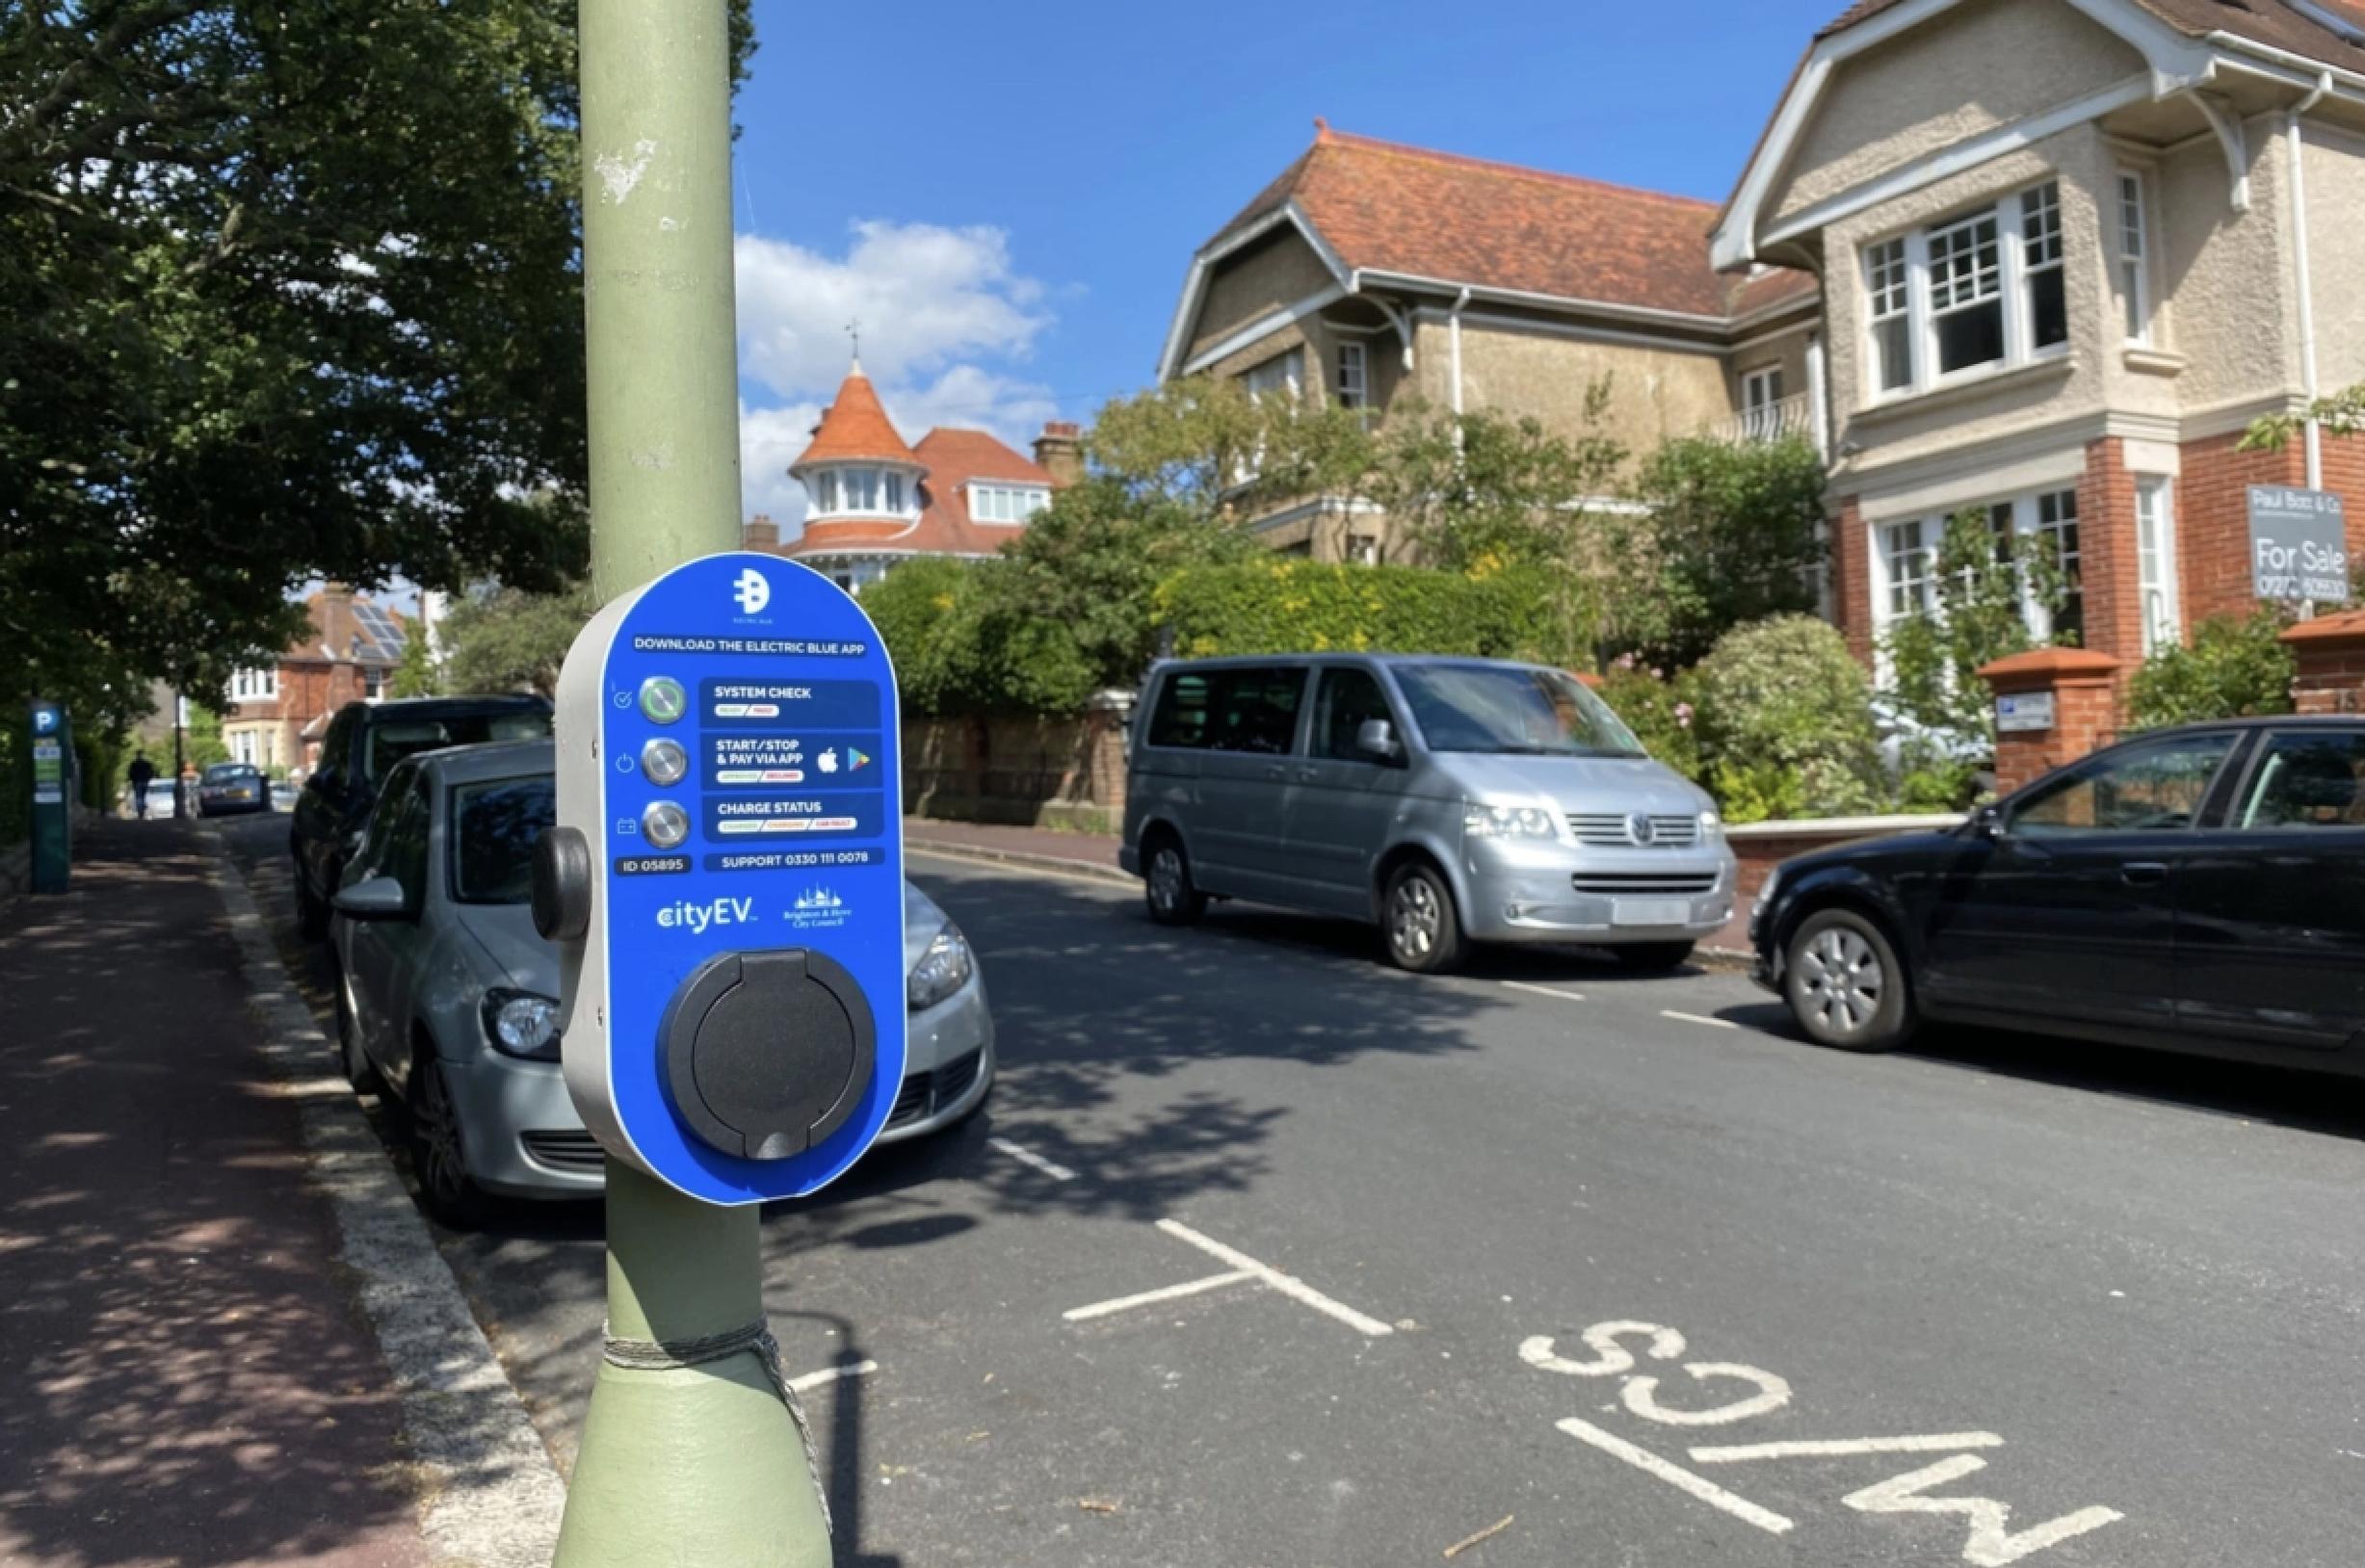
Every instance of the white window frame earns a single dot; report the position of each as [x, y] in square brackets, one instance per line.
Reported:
[1012, 505]
[2011, 216]
[1761, 388]
[2025, 512]
[2158, 592]
[2132, 203]
[260, 685]
[1354, 382]
[825, 492]
[373, 683]
[1363, 549]
[1283, 369]
[243, 747]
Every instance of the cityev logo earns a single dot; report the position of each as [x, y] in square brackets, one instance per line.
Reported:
[752, 592]
[698, 918]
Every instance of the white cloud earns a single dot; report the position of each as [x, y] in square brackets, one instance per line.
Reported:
[943, 314]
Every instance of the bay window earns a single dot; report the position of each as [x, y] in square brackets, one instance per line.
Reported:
[1908, 553]
[1987, 289]
[2134, 266]
[1907, 549]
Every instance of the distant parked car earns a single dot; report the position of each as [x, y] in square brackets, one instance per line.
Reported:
[447, 998]
[1445, 801]
[2198, 889]
[363, 744]
[230, 789]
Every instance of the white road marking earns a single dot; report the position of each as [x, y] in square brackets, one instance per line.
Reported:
[1666, 1345]
[1698, 1018]
[1289, 1285]
[1148, 1298]
[1991, 1545]
[1640, 1395]
[1029, 1158]
[1838, 1447]
[831, 1375]
[1544, 990]
[1675, 1476]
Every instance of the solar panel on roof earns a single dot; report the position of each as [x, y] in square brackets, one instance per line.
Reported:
[381, 628]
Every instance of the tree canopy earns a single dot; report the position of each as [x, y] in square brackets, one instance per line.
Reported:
[288, 290]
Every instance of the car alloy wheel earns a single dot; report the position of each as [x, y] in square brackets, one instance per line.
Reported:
[1423, 932]
[444, 1183]
[1173, 898]
[1843, 980]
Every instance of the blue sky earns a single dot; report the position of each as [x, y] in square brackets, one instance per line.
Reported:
[1007, 196]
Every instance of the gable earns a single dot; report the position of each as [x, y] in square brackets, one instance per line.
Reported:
[1272, 272]
[1972, 69]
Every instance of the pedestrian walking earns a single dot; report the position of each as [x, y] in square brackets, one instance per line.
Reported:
[143, 774]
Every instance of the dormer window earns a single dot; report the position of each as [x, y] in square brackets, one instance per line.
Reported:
[1006, 503]
[864, 491]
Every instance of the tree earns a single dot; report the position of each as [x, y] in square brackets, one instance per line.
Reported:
[2340, 413]
[507, 639]
[1984, 580]
[287, 290]
[1730, 532]
[419, 675]
[1217, 451]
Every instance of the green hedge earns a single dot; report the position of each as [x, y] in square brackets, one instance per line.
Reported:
[1300, 607]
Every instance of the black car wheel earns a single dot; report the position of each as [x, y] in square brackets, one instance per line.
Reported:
[1419, 921]
[446, 1189]
[1844, 982]
[1652, 957]
[1174, 900]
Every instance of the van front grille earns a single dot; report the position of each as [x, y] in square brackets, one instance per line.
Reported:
[1622, 883]
[1632, 830]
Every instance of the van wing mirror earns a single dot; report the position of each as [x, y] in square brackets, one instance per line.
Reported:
[1378, 739]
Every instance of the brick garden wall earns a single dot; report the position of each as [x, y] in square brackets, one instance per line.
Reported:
[1018, 770]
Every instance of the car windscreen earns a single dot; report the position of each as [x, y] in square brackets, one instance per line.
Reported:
[1512, 709]
[494, 826]
[391, 739]
[231, 772]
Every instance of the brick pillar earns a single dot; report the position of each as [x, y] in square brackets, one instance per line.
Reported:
[2084, 686]
[1851, 579]
[2331, 655]
[2213, 520]
[2108, 569]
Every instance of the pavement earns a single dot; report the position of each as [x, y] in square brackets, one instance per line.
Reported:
[1265, 1254]
[189, 1381]
[1042, 849]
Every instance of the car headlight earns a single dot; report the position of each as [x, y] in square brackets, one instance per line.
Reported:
[1712, 827]
[522, 1024]
[943, 969]
[1509, 823]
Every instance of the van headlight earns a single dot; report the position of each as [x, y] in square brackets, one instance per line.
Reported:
[1509, 823]
[943, 969]
[1712, 827]
[521, 1024]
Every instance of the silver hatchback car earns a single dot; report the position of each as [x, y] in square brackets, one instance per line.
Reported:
[447, 998]
[1448, 800]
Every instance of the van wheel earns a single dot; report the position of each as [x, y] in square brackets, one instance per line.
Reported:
[1652, 957]
[1417, 919]
[1844, 982]
[1174, 900]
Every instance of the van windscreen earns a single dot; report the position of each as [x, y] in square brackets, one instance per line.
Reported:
[1512, 709]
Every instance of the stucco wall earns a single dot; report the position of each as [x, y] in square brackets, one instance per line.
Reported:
[1654, 393]
[1971, 71]
[1278, 270]
[2336, 254]
[1910, 428]
[2225, 277]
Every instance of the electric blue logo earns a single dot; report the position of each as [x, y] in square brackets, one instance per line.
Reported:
[752, 592]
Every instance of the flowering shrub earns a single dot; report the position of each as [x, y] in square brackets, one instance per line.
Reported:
[1662, 710]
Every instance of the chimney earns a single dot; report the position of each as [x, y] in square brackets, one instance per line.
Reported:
[1060, 452]
[761, 533]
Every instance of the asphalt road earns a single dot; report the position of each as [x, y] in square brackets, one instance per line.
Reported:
[1620, 1260]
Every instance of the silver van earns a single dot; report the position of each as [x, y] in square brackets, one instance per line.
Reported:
[1448, 800]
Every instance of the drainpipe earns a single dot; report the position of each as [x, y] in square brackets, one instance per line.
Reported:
[1818, 398]
[2308, 383]
[1453, 331]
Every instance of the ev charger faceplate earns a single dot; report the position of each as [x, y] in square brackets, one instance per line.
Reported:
[734, 1007]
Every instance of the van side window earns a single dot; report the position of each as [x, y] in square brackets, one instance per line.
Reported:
[1180, 717]
[1348, 697]
[1256, 710]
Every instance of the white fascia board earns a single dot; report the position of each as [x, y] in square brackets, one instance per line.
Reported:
[2295, 71]
[1588, 334]
[1263, 327]
[1194, 285]
[2174, 62]
[1549, 302]
[1922, 172]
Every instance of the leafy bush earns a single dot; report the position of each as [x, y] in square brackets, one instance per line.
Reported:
[2234, 667]
[1983, 578]
[1299, 607]
[1785, 723]
[960, 645]
[1731, 534]
[1663, 711]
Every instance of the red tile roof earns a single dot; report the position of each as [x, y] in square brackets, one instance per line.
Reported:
[1384, 207]
[2271, 22]
[335, 627]
[954, 458]
[856, 427]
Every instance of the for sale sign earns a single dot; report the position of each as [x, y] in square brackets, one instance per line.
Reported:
[2298, 545]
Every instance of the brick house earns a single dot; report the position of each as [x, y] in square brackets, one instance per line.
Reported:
[874, 502]
[1371, 273]
[275, 714]
[2068, 251]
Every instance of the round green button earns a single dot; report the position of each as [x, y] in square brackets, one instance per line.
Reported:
[662, 700]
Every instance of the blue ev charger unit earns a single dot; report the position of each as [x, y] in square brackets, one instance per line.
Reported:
[725, 881]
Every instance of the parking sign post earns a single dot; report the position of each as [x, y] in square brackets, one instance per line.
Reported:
[688, 1454]
[53, 750]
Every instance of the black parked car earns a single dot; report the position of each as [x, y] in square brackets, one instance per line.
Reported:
[2200, 889]
[363, 744]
